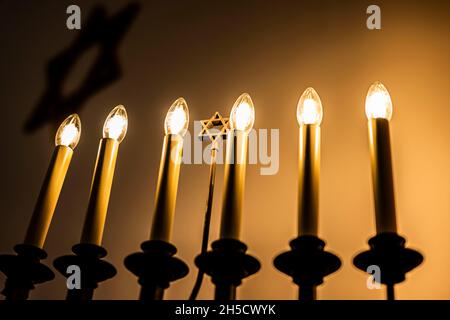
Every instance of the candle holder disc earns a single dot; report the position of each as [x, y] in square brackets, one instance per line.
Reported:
[227, 264]
[156, 267]
[388, 252]
[308, 264]
[23, 271]
[93, 270]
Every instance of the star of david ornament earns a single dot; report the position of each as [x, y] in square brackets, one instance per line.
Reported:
[216, 122]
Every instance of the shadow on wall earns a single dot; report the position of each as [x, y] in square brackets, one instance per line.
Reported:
[101, 31]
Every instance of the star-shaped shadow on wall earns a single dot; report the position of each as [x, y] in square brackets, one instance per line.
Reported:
[98, 30]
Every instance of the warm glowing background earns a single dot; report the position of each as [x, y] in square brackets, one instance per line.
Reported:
[209, 52]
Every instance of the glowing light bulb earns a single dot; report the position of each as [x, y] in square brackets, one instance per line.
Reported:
[116, 124]
[378, 102]
[69, 132]
[242, 116]
[309, 108]
[177, 118]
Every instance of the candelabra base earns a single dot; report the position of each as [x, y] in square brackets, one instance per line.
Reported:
[23, 271]
[388, 252]
[156, 267]
[227, 264]
[308, 264]
[93, 270]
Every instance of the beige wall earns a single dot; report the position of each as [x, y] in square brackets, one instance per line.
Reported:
[210, 53]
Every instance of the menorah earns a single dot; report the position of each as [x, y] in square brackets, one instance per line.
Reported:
[227, 262]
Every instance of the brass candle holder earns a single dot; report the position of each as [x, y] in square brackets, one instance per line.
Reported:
[227, 263]
[308, 264]
[388, 252]
[387, 248]
[88, 257]
[156, 267]
[89, 252]
[23, 271]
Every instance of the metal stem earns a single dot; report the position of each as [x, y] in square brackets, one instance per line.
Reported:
[151, 293]
[12, 292]
[208, 213]
[307, 292]
[85, 294]
[390, 292]
[225, 292]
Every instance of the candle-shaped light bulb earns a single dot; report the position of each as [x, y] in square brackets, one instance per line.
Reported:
[116, 124]
[309, 108]
[379, 113]
[378, 102]
[177, 118]
[69, 132]
[309, 117]
[114, 131]
[175, 127]
[242, 116]
[66, 139]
